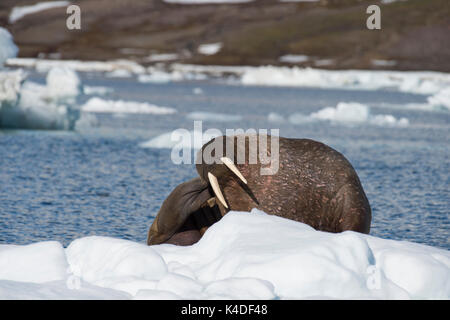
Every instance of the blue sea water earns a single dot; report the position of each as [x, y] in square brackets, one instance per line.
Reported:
[62, 185]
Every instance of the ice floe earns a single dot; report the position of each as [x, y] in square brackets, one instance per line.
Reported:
[238, 258]
[354, 113]
[346, 113]
[100, 105]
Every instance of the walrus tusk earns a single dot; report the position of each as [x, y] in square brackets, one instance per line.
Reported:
[227, 161]
[216, 188]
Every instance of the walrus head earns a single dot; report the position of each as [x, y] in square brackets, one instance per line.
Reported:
[194, 205]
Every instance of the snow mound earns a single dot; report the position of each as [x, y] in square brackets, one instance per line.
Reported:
[352, 113]
[238, 258]
[99, 105]
[18, 263]
[7, 47]
[183, 139]
[213, 116]
[19, 12]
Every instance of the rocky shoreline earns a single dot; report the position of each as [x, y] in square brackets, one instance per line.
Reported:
[323, 34]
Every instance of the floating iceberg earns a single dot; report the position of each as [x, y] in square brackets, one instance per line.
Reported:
[238, 258]
[29, 105]
[51, 106]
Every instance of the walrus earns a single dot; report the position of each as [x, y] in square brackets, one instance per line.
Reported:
[313, 184]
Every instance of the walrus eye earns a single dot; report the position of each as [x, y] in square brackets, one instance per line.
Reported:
[216, 188]
[227, 161]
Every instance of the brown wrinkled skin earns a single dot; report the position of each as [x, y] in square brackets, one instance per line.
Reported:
[315, 185]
